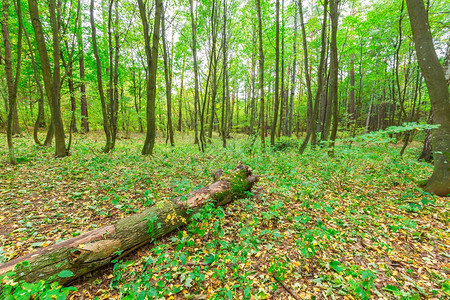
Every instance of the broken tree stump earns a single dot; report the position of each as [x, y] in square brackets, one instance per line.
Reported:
[99, 247]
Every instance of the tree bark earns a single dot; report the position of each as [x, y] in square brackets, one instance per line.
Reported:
[293, 78]
[40, 115]
[427, 154]
[10, 81]
[277, 75]
[434, 75]
[306, 65]
[168, 79]
[194, 54]
[315, 116]
[83, 100]
[334, 68]
[180, 98]
[152, 61]
[101, 92]
[97, 248]
[261, 75]
[52, 80]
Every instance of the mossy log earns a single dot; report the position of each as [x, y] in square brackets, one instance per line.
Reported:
[99, 247]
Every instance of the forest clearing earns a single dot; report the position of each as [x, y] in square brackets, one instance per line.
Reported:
[224, 149]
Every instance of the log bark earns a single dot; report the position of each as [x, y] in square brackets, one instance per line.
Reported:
[97, 248]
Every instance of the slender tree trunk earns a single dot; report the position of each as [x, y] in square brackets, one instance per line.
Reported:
[15, 124]
[180, 99]
[277, 75]
[293, 77]
[197, 87]
[351, 109]
[115, 111]
[214, 32]
[307, 69]
[315, 115]
[397, 65]
[113, 90]
[40, 115]
[261, 75]
[83, 100]
[434, 76]
[152, 61]
[283, 102]
[168, 79]
[225, 87]
[101, 92]
[11, 82]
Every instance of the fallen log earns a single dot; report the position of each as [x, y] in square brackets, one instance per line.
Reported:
[99, 247]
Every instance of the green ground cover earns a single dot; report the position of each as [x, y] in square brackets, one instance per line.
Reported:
[355, 225]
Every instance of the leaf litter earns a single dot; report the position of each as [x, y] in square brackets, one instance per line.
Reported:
[353, 226]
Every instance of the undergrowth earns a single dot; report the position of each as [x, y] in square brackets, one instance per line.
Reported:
[353, 225]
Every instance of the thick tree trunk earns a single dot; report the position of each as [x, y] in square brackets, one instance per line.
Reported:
[434, 76]
[52, 80]
[97, 248]
[427, 154]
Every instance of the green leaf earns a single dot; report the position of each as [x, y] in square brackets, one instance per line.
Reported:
[391, 288]
[209, 259]
[65, 274]
[335, 266]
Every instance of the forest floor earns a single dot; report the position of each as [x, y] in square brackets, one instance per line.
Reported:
[355, 225]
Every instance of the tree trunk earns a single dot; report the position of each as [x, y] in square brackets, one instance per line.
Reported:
[83, 104]
[40, 115]
[97, 248]
[152, 61]
[334, 68]
[101, 92]
[261, 75]
[293, 77]
[434, 75]
[10, 81]
[194, 54]
[225, 82]
[180, 99]
[306, 64]
[52, 80]
[315, 114]
[277, 75]
[427, 154]
[168, 79]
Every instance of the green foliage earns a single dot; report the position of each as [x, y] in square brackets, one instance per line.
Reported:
[389, 134]
[320, 225]
[21, 290]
